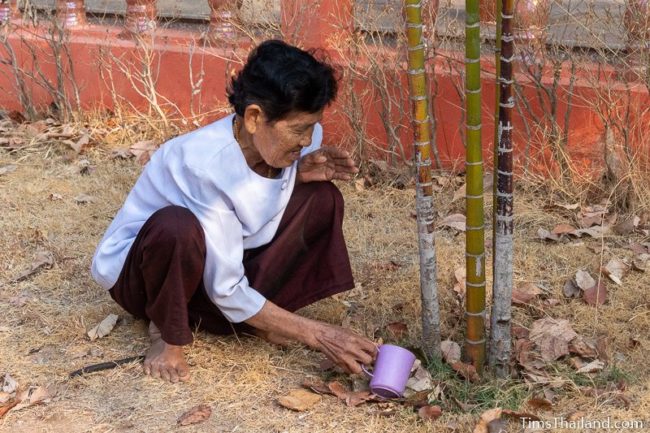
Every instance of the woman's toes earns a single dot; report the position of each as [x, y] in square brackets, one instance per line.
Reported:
[173, 376]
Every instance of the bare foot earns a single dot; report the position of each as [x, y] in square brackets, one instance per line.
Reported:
[165, 360]
[273, 338]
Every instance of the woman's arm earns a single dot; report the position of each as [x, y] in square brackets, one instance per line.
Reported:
[345, 348]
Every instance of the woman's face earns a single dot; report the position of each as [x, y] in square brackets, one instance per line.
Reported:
[279, 143]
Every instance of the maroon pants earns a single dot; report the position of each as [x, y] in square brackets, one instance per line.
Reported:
[307, 260]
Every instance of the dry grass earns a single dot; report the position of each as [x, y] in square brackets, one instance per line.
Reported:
[42, 328]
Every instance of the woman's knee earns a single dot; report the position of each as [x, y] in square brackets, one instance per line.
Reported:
[173, 225]
[327, 208]
[327, 197]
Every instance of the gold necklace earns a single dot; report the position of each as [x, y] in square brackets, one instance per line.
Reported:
[271, 172]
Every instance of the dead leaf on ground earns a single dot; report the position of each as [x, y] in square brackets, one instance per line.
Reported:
[9, 385]
[583, 347]
[316, 385]
[42, 259]
[459, 286]
[563, 229]
[337, 389]
[638, 248]
[420, 381]
[497, 426]
[545, 235]
[627, 226]
[195, 415]
[615, 269]
[525, 293]
[592, 367]
[520, 332]
[467, 371]
[299, 400]
[594, 232]
[520, 415]
[456, 221]
[639, 265]
[552, 337]
[5, 397]
[486, 418]
[575, 416]
[32, 396]
[597, 295]
[79, 145]
[397, 329]
[430, 413]
[103, 328]
[540, 403]
[450, 351]
[571, 289]
[351, 398]
[143, 150]
[5, 169]
[84, 199]
[584, 280]
[355, 398]
[7, 406]
[326, 364]
[121, 154]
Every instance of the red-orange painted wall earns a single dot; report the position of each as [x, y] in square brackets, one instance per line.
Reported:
[97, 50]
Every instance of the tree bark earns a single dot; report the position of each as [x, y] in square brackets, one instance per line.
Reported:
[424, 192]
[500, 338]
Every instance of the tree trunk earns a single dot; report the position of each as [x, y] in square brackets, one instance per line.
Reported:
[424, 201]
[500, 339]
[475, 247]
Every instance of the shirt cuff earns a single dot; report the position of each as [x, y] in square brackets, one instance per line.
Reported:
[241, 305]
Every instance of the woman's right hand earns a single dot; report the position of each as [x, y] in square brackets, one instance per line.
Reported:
[345, 348]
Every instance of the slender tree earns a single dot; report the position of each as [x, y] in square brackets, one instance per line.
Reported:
[500, 339]
[475, 242]
[424, 192]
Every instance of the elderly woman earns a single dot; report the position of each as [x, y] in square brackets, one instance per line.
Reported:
[232, 227]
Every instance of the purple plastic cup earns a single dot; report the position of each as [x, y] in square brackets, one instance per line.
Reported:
[391, 372]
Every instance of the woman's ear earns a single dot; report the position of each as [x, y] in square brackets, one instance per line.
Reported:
[253, 115]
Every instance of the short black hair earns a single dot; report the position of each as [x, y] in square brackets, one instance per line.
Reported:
[281, 78]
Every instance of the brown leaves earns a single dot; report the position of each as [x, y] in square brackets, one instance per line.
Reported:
[429, 413]
[103, 328]
[196, 415]
[142, 150]
[13, 398]
[299, 400]
[337, 389]
[596, 295]
[466, 371]
[42, 260]
[583, 284]
[525, 293]
[552, 337]
[487, 417]
[450, 351]
[614, 270]
[397, 329]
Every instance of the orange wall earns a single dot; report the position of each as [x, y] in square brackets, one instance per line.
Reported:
[98, 50]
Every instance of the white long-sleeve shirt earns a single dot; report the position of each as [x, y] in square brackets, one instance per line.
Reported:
[206, 172]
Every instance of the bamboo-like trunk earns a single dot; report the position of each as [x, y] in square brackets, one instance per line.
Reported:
[424, 192]
[475, 242]
[500, 339]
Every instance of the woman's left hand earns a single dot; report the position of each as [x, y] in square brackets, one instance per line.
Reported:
[326, 163]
